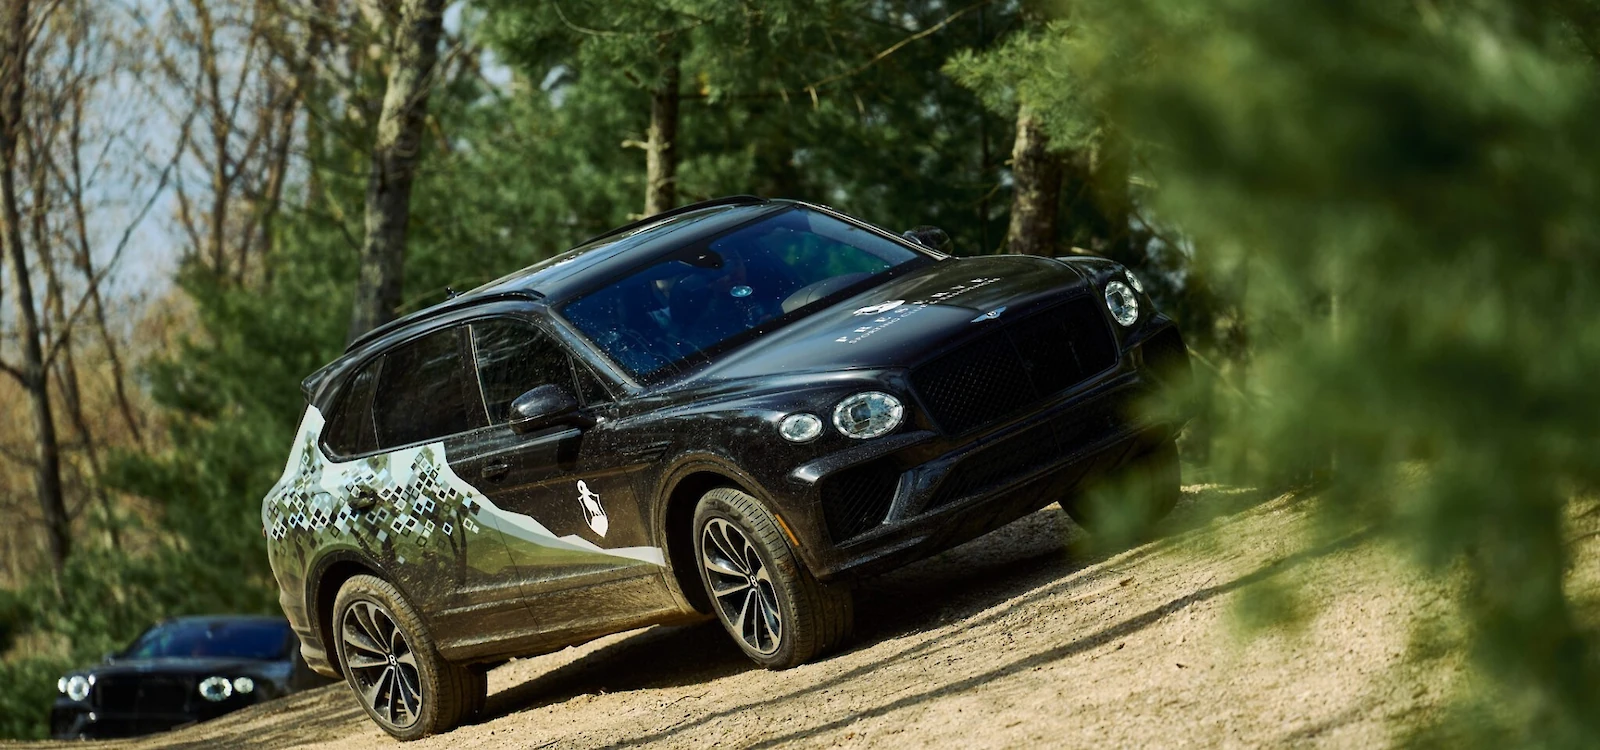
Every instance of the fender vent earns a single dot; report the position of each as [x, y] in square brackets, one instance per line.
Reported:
[858, 498]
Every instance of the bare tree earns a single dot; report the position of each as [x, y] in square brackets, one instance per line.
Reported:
[15, 42]
[414, 53]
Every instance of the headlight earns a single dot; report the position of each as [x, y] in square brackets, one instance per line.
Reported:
[868, 415]
[76, 687]
[215, 689]
[800, 428]
[1122, 302]
[243, 685]
[1133, 281]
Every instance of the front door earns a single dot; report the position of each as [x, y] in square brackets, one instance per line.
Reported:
[564, 503]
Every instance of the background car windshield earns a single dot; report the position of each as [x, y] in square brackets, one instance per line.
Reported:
[712, 292]
[235, 640]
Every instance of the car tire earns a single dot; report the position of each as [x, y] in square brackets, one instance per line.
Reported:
[374, 625]
[1149, 486]
[776, 611]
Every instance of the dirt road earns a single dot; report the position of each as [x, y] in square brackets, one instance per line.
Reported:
[1007, 641]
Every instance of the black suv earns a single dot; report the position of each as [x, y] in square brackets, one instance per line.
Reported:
[736, 407]
[178, 672]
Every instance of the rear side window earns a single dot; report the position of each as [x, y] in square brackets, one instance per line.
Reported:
[423, 393]
[350, 429]
[513, 358]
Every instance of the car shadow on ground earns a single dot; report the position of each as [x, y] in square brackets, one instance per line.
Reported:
[1025, 556]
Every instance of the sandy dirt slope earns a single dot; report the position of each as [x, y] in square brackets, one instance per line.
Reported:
[1007, 641]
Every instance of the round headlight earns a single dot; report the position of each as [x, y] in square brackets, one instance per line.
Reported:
[868, 415]
[1122, 302]
[800, 428]
[1133, 281]
[215, 689]
[76, 687]
[243, 685]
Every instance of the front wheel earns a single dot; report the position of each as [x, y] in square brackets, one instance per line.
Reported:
[393, 667]
[778, 613]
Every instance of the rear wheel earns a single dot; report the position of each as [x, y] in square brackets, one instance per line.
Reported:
[391, 664]
[779, 614]
[1141, 494]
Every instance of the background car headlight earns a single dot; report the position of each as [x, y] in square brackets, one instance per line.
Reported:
[1122, 302]
[76, 687]
[868, 415]
[800, 428]
[243, 685]
[216, 689]
[1133, 281]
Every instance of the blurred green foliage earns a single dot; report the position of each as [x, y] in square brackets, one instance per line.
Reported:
[1403, 200]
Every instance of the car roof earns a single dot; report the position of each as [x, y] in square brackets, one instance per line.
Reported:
[582, 267]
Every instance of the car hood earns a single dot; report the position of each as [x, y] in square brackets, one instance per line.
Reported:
[197, 666]
[899, 322]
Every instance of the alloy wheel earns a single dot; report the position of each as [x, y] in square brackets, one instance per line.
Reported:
[741, 586]
[382, 666]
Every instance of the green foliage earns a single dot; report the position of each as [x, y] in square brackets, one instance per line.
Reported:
[1407, 195]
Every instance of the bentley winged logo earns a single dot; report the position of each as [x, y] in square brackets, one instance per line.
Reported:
[592, 511]
[991, 315]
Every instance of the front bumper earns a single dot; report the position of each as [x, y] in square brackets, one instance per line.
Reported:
[921, 493]
[75, 720]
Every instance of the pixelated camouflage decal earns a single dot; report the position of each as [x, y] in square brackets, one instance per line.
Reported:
[417, 495]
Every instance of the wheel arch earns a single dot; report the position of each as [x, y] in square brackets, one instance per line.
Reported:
[331, 574]
[684, 486]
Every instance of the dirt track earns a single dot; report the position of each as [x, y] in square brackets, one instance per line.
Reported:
[1006, 641]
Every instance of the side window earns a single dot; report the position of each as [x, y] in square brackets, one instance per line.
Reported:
[423, 392]
[350, 429]
[514, 357]
[589, 386]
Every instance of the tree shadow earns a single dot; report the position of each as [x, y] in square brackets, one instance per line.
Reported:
[1030, 555]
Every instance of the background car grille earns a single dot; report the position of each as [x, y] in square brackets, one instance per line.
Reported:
[1017, 366]
[142, 694]
[858, 498]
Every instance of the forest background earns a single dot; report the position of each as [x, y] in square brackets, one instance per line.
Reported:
[1376, 223]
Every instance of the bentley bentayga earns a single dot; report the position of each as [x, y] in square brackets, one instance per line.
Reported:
[734, 409]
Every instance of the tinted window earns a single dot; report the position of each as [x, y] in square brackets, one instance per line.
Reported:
[351, 430]
[709, 294]
[238, 640]
[423, 392]
[513, 358]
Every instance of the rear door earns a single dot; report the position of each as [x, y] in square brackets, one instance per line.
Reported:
[406, 431]
[565, 496]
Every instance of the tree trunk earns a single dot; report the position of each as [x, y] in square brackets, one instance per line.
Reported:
[394, 161]
[47, 450]
[1036, 196]
[661, 161]
[1112, 171]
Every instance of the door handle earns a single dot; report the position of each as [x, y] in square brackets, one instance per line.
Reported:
[496, 471]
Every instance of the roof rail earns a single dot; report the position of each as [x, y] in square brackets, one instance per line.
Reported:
[452, 303]
[730, 200]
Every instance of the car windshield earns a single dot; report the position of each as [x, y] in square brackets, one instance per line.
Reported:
[714, 293]
[238, 639]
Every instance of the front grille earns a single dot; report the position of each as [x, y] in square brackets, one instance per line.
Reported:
[1022, 364]
[144, 694]
[858, 498]
[1019, 455]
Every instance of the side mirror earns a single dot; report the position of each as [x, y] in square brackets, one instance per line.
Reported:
[930, 237]
[110, 656]
[541, 407]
